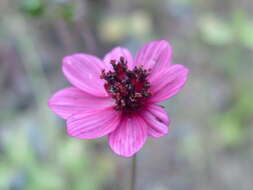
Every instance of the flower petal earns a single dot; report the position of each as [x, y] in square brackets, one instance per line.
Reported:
[93, 124]
[118, 52]
[155, 55]
[129, 137]
[168, 83]
[83, 71]
[71, 100]
[157, 120]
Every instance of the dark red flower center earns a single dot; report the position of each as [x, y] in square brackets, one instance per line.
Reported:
[129, 88]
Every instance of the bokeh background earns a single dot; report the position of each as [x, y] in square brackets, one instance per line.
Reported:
[210, 144]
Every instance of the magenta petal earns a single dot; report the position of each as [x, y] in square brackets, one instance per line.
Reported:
[84, 71]
[93, 124]
[157, 120]
[118, 52]
[168, 83]
[154, 55]
[69, 101]
[129, 137]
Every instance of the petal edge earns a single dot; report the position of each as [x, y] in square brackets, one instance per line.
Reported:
[168, 84]
[129, 137]
[116, 53]
[69, 101]
[157, 120]
[93, 124]
[83, 71]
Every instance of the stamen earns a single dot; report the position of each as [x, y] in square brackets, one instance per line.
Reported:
[129, 88]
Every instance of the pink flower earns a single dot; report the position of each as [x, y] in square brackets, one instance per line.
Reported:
[117, 96]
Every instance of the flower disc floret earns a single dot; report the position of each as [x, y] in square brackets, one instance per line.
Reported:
[129, 88]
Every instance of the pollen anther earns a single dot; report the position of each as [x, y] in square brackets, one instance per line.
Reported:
[129, 88]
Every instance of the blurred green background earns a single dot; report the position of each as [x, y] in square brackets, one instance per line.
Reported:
[210, 142]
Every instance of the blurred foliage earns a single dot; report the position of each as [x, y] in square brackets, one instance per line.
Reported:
[243, 25]
[114, 28]
[69, 166]
[33, 7]
[215, 31]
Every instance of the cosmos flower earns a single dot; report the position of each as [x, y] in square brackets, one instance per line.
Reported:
[118, 96]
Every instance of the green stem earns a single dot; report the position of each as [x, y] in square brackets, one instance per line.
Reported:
[133, 173]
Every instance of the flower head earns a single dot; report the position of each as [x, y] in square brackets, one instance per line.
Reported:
[118, 97]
